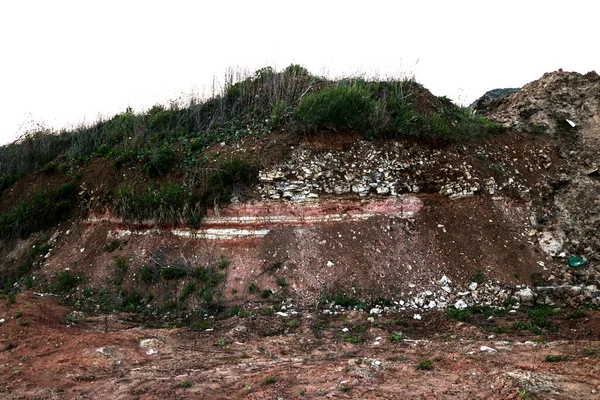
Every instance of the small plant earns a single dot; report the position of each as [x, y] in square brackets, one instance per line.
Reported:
[253, 288]
[478, 277]
[159, 162]
[345, 389]
[149, 274]
[269, 380]
[185, 384]
[173, 272]
[200, 325]
[425, 365]
[463, 315]
[223, 263]
[25, 321]
[396, 337]
[577, 314]
[293, 323]
[556, 358]
[354, 339]
[591, 352]
[19, 313]
[282, 282]
[222, 342]
[265, 294]
[539, 315]
[66, 281]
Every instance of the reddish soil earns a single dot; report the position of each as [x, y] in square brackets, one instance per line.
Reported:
[45, 358]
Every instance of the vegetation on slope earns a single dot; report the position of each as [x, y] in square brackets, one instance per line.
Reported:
[174, 137]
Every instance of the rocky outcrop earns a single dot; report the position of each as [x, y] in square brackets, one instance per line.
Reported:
[492, 99]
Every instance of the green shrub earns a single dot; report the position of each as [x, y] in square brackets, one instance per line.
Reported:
[265, 294]
[163, 204]
[41, 210]
[149, 274]
[342, 107]
[159, 163]
[65, 281]
[282, 282]
[253, 288]
[185, 384]
[173, 272]
[231, 178]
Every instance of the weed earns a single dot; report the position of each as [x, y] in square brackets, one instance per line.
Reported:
[577, 314]
[24, 321]
[293, 323]
[265, 294]
[223, 263]
[345, 389]
[200, 325]
[253, 288]
[556, 358]
[268, 311]
[149, 274]
[539, 315]
[19, 313]
[354, 339]
[478, 278]
[282, 282]
[65, 281]
[172, 272]
[396, 337]
[185, 384]
[187, 290]
[269, 380]
[425, 365]
[459, 315]
[591, 352]
[162, 204]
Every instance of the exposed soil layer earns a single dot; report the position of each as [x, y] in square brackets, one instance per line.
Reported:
[266, 356]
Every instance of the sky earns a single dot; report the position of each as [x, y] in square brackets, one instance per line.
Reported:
[64, 63]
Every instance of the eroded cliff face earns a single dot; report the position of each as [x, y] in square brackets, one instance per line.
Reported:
[412, 223]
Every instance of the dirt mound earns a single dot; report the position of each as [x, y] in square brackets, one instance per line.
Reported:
[566, 107]
[545, 105]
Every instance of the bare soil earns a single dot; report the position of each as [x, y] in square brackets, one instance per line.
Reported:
[266, 356]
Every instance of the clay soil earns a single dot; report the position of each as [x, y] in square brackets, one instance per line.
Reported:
[266, 356]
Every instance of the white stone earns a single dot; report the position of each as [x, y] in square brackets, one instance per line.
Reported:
[473, 286]
[460, 305]
[375, 310]
[417, 317]
[488, 349]
[525, 296]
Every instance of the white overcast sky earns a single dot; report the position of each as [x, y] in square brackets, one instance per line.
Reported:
[67, 62]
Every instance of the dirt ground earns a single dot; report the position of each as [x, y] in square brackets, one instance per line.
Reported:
[308, 355]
